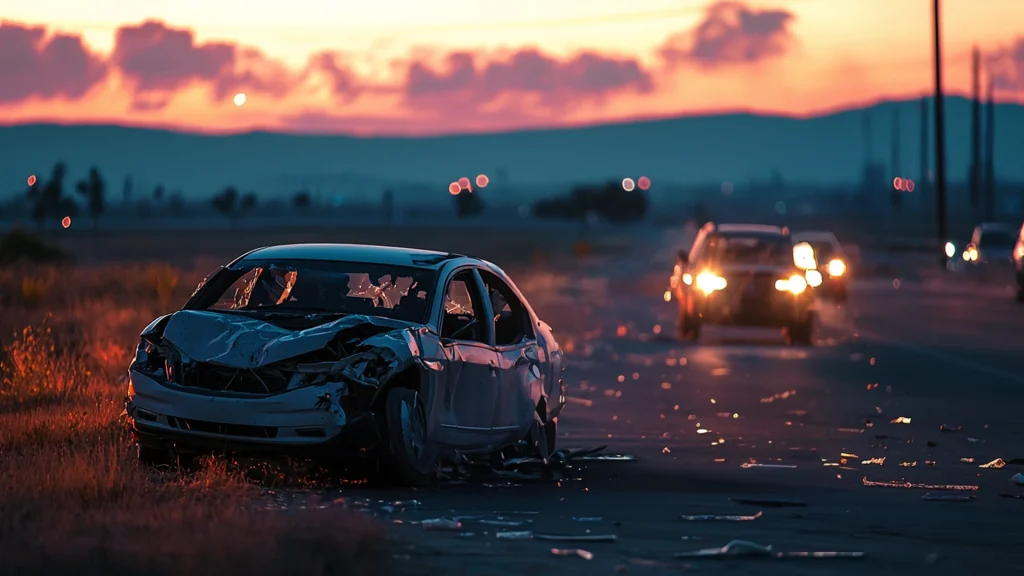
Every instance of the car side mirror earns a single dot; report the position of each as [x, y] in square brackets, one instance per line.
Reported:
[683, 256]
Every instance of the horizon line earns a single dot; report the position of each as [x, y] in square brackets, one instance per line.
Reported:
[639, 119]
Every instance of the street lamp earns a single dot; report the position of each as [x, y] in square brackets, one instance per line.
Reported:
[940, 133]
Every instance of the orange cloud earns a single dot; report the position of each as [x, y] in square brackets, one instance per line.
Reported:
[154, 62]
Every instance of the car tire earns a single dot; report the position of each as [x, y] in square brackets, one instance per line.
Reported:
[551, 435]
[687, 328]
[802, 333]
[405, 431]
[155, 457]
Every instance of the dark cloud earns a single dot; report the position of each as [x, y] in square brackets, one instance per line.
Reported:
[466, 80]
[731, 33]
[344, 83]
[32, 65]
[157, 59]
[1007, 67]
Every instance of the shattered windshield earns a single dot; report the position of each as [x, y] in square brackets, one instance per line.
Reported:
[321, 287]
[755, 250]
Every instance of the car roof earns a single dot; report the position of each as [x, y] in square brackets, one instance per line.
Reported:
[361, 253]
[749, 229]
[812, 235]
[997, 227]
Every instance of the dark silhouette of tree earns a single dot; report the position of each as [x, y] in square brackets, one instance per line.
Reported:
[226, 202]
[158, 193]
[176, 203]
[248, 202]
[93, 189]
[48, 201]
[609, 202]
[301, 200]
[468, 204]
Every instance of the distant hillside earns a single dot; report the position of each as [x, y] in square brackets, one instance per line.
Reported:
[682, 151]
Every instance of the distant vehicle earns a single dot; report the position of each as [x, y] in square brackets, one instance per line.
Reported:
[335, 350]
[1018, 263]
[832, 263]
[991, 243]
[745, 275]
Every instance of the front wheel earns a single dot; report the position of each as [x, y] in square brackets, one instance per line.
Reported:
[405, 453]
[687, 327]
[802, 332]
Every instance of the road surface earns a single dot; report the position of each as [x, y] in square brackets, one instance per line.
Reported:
[925, 355]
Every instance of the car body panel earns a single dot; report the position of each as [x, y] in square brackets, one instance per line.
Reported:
[478, 396]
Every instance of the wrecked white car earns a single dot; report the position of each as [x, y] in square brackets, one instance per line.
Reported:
[344, 350]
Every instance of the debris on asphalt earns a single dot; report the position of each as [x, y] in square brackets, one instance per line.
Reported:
[719, 518]
[609, 458]
[526, 535]
[997, 463]
[900, 420]
[508, 523]
[949, 497]
[1018, 479]
[583, 538]
[648, 563]
[756, 465]
[588, 519]
[906, 484]
[768, 502]
[973, 440]
[967, 460]
[585, 554]
[874, 461]
[745, 548]
[441, 524]
[948, 428]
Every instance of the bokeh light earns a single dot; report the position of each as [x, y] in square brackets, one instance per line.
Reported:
[240, 99]
[897, 183]
[643, 183]
[464, 182]
[454, 188]
[628, 184]
[908, 185]
[32, 180]
[482, 181]
[66, 222]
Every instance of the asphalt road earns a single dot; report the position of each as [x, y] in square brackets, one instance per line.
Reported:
[935, 353]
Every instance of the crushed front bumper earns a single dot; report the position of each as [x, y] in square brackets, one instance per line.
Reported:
[302, 421]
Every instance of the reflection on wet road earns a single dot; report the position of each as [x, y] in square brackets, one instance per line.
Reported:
[912, 388]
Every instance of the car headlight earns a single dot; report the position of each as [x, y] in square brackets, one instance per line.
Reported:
[687, 279]
[708, 282]
[142, 354]
[836, 267]
[813, 278]
[803, 256]
[795, 284]
[950, 249]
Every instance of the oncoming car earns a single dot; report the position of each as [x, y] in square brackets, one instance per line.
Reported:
[334, 350]
[828, 252]
[745, 275]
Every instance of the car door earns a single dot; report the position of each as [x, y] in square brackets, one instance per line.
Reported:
[521, 360]
[471, 383]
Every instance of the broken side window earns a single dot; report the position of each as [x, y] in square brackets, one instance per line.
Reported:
[511, 319]
[462, 311]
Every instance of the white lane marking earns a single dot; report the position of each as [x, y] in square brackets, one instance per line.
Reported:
[955, 360]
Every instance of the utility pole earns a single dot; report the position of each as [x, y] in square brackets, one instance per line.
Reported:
[940, 135]
[924, 183]
[975, 173]
[990, 158]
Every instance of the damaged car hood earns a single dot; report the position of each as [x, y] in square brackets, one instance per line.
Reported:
[245, 342]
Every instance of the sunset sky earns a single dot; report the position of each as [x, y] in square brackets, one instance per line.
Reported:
[416, 67]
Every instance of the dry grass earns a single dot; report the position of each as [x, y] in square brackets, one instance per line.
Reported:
[72, 498]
